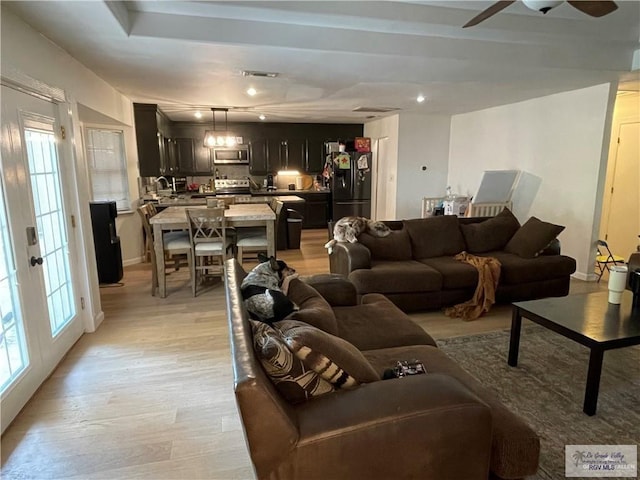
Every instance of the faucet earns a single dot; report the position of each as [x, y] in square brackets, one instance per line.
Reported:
[157, 180]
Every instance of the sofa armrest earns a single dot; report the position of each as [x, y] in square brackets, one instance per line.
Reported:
[335, 289]
[423, 426]
[347, 257]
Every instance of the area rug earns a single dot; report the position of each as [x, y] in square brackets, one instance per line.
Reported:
[547, 389]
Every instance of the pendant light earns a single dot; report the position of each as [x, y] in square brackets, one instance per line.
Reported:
[222, 138]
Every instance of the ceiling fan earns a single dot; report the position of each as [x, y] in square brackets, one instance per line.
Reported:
[593, 8]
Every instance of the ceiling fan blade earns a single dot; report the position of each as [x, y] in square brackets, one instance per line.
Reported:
[594, 8]
[489, 12]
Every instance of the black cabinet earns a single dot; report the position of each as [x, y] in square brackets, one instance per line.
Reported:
[316, 214]
[259, 159]
[150, 139]
[314, 162]
[184, 154]
[296, 154]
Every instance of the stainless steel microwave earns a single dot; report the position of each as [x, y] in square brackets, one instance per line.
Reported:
[238, 155]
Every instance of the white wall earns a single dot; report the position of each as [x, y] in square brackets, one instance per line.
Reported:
[26, 52]
[423, 141]
[560, 141]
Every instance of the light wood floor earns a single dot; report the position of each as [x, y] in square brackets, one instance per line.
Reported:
[150, 394]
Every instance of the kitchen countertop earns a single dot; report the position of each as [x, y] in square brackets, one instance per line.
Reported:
[285, 191]
[185, 199]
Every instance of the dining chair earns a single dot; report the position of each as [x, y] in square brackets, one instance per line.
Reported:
[605, 257]
[209, 243]
[176, 245]
[254, 239]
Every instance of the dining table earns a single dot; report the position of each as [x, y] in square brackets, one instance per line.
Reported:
[237, 215]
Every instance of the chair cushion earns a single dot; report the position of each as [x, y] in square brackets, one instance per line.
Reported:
[395, 246]
[333, 358]
[177, 242]
[435, 236]
[532, 237]
[402, 276]
[294, 380]
[314, 309]
[492, 234]
[214, 247]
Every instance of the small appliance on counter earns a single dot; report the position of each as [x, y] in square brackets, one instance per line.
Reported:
[270, 185]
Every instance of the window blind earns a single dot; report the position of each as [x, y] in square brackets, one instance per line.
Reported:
[108, 167]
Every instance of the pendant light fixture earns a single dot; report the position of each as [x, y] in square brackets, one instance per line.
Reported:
[220, 138]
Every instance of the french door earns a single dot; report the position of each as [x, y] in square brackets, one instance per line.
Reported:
[38, 293]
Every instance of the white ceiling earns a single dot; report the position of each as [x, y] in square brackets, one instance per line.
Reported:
[333, 57]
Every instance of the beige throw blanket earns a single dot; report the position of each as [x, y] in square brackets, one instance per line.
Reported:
[485, 294]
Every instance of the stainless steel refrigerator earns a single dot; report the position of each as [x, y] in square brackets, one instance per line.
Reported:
[351, 187]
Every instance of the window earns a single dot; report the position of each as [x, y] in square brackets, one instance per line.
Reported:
[108, 167]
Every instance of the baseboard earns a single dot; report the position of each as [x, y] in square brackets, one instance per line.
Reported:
[97, 320]
[132, 261]
[585, 277]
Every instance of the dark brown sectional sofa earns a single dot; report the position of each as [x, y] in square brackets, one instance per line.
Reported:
[444, 425]
[415, 267]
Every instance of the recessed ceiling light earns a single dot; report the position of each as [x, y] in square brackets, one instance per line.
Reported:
[198, 115]
[251, 91]
[262, 117]
[420, 99]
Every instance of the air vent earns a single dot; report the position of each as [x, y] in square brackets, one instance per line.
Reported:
[375, 109]
[254, 73]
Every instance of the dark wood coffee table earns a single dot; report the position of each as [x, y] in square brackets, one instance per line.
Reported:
[587, 319]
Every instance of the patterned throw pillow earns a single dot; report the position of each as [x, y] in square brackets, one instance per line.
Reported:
[333, 358]
[295, 381]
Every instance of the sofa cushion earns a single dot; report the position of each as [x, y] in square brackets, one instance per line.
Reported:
[396, 277]
[314, 309]
[455, 274]
[293, 379]
[492, 234]
[333, 358]
[516, 270]
[395, 246]
[435, 236]
[532, 237]
[515, 446]
[378, 323]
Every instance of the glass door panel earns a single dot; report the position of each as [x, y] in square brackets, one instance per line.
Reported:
[13, 352]
[49, 210]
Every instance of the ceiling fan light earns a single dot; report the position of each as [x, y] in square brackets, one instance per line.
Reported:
[541, 5]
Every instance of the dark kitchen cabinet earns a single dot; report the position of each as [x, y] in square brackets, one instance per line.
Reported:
[259, 160]
[296, 154]
[171, 157]
[150, 139]
[315, 158]
[276, 154]
[184, 154]
[316, 214]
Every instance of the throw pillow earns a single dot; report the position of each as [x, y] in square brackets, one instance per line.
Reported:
[313, 308]
[492, 234]
[292, 378]
[395, 246]
[532, 237]
[435, 236]
[333, 358]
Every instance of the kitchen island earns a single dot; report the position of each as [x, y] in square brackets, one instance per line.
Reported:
[242, 215]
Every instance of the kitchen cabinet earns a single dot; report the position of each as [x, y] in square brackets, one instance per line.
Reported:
[315, 158]
[184, 154]
[296, 154]
[259, 160]
[151, 136]
[171, 156]
[316, 210]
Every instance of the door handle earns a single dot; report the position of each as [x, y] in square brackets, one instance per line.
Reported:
[36, 261]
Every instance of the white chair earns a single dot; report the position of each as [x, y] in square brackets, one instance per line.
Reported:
[209, 243]
[176, 245]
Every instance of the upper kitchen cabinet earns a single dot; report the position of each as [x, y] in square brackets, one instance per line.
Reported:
[258, 156]
[152, 139]
[194, 158]
[314, 161]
